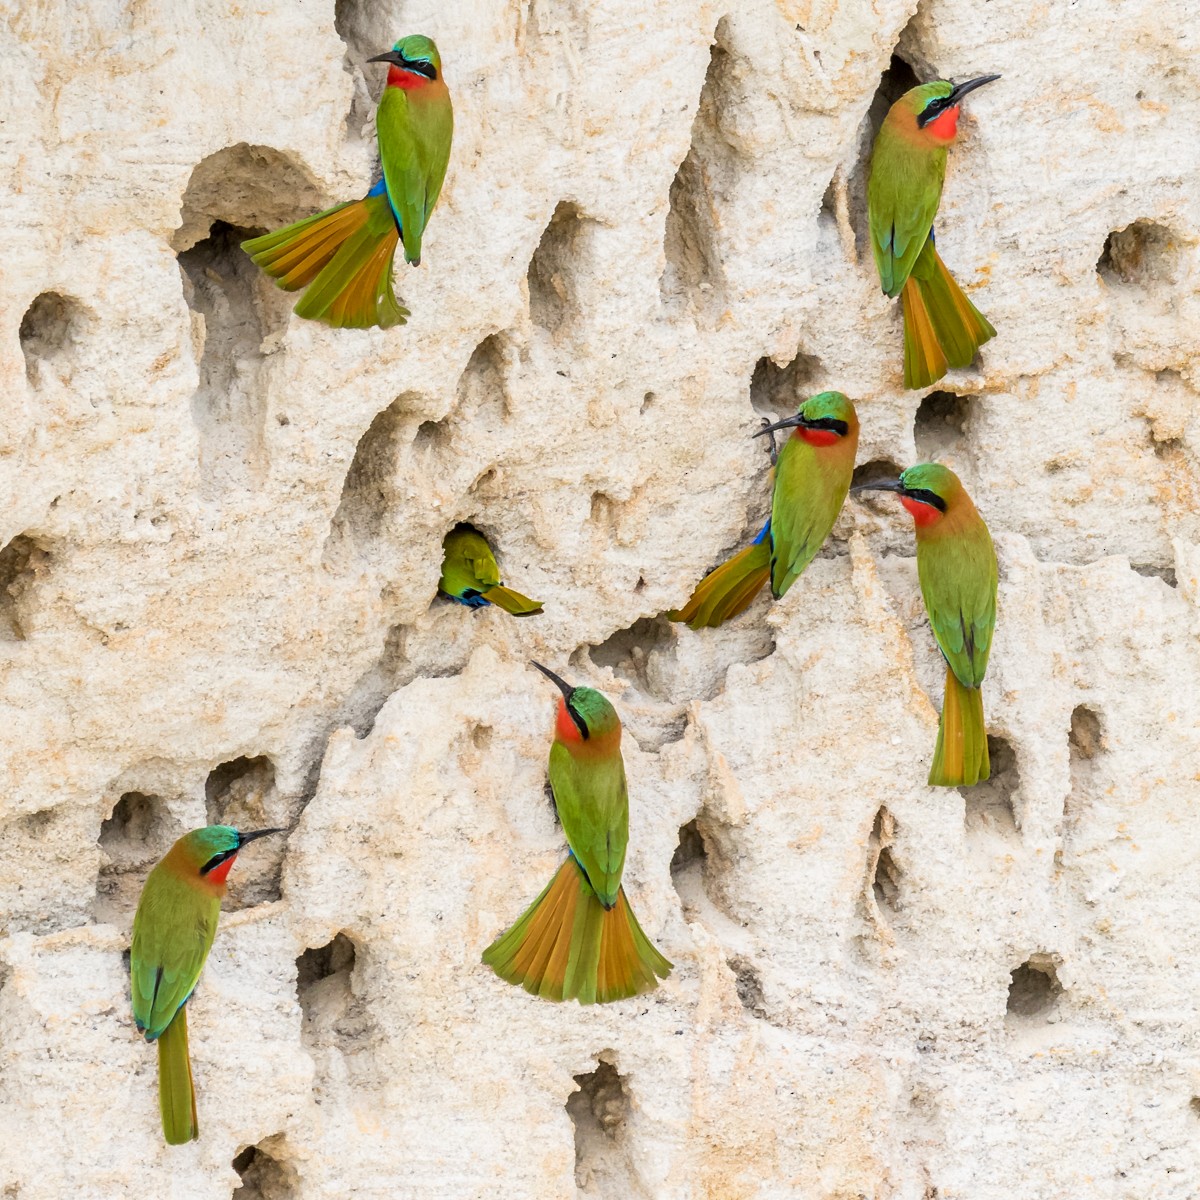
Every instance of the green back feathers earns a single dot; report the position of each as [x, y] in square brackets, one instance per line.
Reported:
[956, 563]
[469, 563]
[811, 482]
[415, 126]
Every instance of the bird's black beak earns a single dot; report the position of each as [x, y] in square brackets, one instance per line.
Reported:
[243, 838]
[562, 685]
[786, 423]
[961, 89]
[880, 485]
[397, 59]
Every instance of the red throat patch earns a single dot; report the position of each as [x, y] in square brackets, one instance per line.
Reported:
[399, 77]
[922, 513]
[220, 872]
[564, 727]
[816, 437]
[943, 127]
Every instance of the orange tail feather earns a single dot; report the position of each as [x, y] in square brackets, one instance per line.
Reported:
[728, 589]
[566, 946]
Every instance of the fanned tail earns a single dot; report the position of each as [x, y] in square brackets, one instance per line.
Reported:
[343, 256]
[942, 328]
[728, 589]
[512, 602]
[566, 946]
[961, 756]
[176, 1091]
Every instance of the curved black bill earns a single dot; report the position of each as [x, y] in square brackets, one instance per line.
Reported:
[389, 56]
[243, 838]
[879, 485]
[562, 685]
[961, 89]
[786, 423]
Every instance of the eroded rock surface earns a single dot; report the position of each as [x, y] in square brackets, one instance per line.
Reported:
[219, 552]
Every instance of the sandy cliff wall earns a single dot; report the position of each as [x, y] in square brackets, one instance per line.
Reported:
[221, 531]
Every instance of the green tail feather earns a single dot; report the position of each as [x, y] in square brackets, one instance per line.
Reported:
[512, 602]
[726, 590]
[343, 257]
[567, 946]
[958, 327]
[960, 758]
[176, 1090]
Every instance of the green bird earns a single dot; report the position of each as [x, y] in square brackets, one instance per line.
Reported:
[470, 575]
[343, 256]
[173, 932]
[812, 475]
[942, 328]
[579, 940]
[956, 564]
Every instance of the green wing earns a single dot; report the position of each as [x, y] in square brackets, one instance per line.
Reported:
[414, 133]
[593, 805]
[903, 195]
[469, 564]
[809, 493]
[173, 932]
[958, 581]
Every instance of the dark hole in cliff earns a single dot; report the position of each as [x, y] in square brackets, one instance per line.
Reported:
[991, 805]
[553, 269]
[139, 831]
[692, 278]
[777, 392]
[49, 331]
[1144, 254]
[242, 793]
[940, 424]
[605, 1162]
[1034, 989]
[21, 563]
[265, 1172]
[748, 983]
[690, 851]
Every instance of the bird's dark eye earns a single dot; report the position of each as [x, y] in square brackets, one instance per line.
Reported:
[421, 67]
[925, 496]
[830, 423]
[934, 108]
[580, 723]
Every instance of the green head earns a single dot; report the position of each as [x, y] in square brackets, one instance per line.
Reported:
[935, 106]
[927, 490]
[584, 714]
[209, 852]
[822, 420]
[415, 54]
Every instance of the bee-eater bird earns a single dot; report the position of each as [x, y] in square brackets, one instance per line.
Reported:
[956, 564]
[343, 256]
[470, 575]
[812, 474]
[173, 932]
[942, 328]
[579, 940]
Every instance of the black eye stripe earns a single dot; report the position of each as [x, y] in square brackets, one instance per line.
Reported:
[420, 67]
[580, 723]
[830, 423]
[925, 496]
[217, 860]
[933, 109]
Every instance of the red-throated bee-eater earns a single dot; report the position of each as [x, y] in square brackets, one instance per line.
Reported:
[173, 932]
[343, 256]
[956, 564]
[470, 575]
[579, 940]
[942, 328]
[812, 474]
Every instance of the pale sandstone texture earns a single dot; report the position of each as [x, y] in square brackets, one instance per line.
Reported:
[220, 548]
